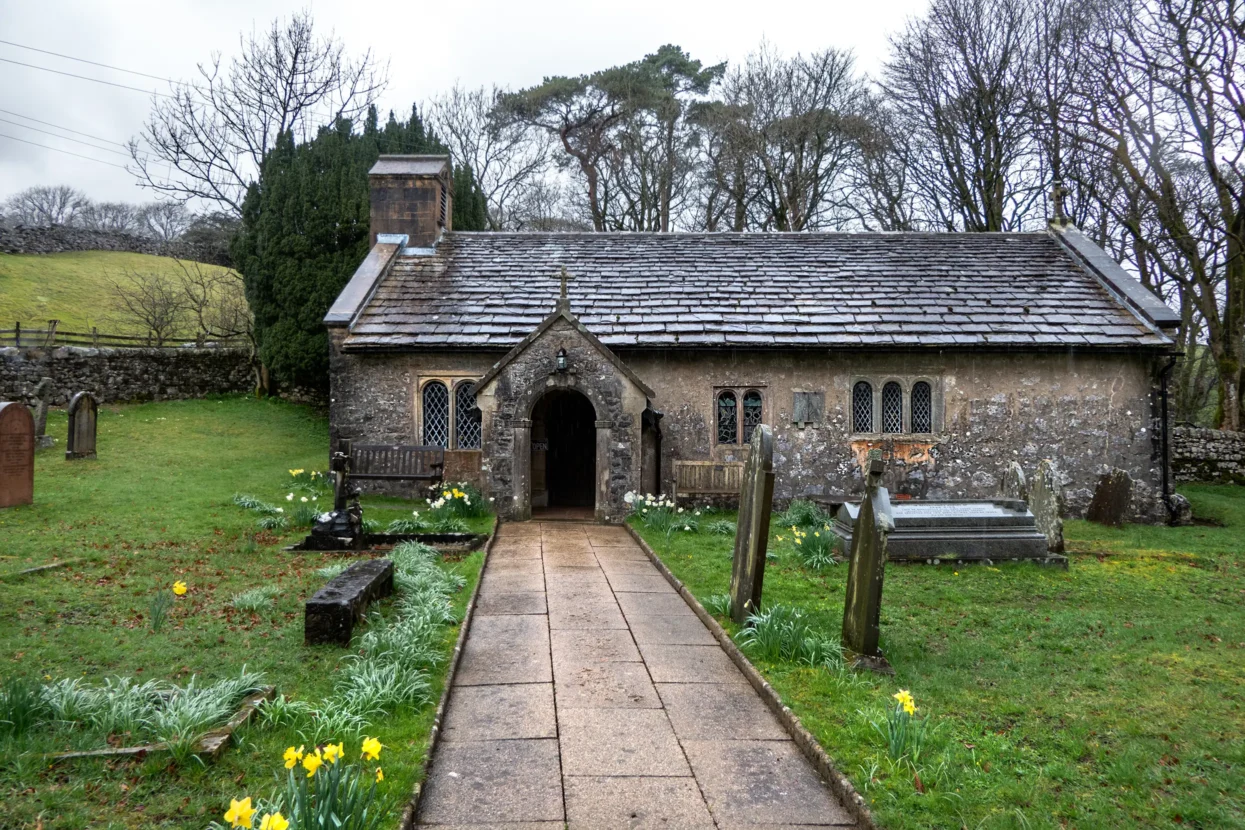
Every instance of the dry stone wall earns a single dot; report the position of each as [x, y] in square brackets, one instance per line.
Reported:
[115, 375]
[60, 238]
[1208, 455]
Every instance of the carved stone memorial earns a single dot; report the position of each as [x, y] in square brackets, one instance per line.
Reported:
[42, 394]
[1112, 497]
[1014, 485]
[82, 419]
[17, 455]
[863, 605]
[1046, 503]
[755, 504]
[345, 521]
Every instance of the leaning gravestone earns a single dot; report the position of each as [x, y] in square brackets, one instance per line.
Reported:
[1014, 485]
[17, 455]
[42, 392]
[1046, 503]
[863, 606]
[1111, 499]
[755, 503]
[82, 420]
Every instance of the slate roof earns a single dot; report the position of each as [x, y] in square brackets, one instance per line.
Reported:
[490, 290]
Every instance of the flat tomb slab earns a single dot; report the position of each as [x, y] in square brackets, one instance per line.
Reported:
[329, 616]
[998, 529]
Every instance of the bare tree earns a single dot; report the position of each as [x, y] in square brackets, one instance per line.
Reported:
[208, 140]
[150, 300]
[43, 205]
[215, 299]
[165, 220]
[108, 216]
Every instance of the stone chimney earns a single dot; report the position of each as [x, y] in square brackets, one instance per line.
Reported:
[412, 195]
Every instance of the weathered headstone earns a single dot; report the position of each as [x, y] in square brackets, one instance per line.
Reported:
[755, 504]
[1111, 499]
[1046, 502]
[1181, 511]
[42, 393]
[83, 412]
[1014, 484]
[863, 605]
[17, 455]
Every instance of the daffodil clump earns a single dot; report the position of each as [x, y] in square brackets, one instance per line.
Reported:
[461, 499]
[662, 514]
[903, 732]
[815, 547]
[322, 791]
[310, 483]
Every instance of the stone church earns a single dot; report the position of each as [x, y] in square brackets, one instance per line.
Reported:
[562, 370]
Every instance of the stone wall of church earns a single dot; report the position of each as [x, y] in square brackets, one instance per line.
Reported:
[1090, 413]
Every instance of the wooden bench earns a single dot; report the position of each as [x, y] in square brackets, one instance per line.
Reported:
[396, 462]
[707, 478]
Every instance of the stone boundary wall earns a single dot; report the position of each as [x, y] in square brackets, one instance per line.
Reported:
[1208, 455]
[59, 238]
[116, 375]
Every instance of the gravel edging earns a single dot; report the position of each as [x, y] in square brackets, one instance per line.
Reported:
[851, 800]
[412, 808]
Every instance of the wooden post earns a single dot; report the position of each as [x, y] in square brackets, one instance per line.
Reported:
[756, 501]
[17, 334]
[95, 337]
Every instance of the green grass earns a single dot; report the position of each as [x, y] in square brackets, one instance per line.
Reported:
[1108, 695]
[71, 287]
[154, 508]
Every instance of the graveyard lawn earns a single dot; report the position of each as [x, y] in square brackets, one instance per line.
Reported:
[156, 508]
[1108, 695]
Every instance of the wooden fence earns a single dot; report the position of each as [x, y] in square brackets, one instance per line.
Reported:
[53, 335]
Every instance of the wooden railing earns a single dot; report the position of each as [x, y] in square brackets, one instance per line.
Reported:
[54, 335]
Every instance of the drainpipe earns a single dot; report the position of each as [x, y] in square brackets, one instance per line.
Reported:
[1164, 380]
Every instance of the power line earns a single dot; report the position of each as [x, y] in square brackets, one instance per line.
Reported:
[86, 78]
[93, 63]
[67, 152]
[64, 137]
[59, 127]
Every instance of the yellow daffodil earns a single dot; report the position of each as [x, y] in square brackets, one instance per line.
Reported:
[240, 812]
[779, 538]
[180, 588]
[275, 821]
[293, 756]
[332, 752]
[371, 749]
[312, 763]
[380, 776]
[818, 535]
[906, 701]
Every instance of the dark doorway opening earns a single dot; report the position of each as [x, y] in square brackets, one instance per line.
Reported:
[564, 451]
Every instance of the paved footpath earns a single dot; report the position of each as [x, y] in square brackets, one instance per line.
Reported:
[589, 694]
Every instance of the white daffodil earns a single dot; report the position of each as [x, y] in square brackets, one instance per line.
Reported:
[290, 497]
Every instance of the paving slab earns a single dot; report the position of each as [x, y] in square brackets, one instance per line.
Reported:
[511, 583]
[602, 613]
[642, 606]
[718, 711]
[618, 742]
[689, 664]
[494, 781]
[621, 552]
[526, 603]
[628, 566]
[506, 649]
[762, 782]
[516, 566]
[681, 630]
[578, 647]
[614, 685]
[500, 713]
[640, 584]
[603, 803]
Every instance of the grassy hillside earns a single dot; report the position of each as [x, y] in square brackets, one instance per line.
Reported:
[71, 287]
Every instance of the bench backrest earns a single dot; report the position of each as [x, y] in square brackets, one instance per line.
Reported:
[396, 461]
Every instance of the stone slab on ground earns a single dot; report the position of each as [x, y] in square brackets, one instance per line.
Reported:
[718, 712]
[493, 781]
[607, 803]
[619, 742]
[500, 713]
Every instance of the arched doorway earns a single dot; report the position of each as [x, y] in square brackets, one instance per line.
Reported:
[564, 451]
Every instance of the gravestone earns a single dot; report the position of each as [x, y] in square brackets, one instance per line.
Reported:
[1046, 503]
[751, 540]
[83, 411]
[329, 616]
[42, 393]
[1014, 485]
[987, 530]
[345, 521]
[17, 455]
[1112, 497]
[862, 607]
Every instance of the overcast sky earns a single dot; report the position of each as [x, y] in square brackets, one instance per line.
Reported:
[428, 45]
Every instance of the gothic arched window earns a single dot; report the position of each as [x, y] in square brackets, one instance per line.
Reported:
[862, 407]
[922, 407]
[752, 413]
[728, 418]
[436, 414]
[892, 407]
[466, 417]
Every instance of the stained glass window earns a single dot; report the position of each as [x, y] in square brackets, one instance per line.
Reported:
[752, 413]
[436, 414]
[922, 408]
[466, 416]
[892, 407]
[862, 407]
[728, 418]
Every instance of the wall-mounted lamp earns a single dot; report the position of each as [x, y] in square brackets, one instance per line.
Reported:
[561, 360]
